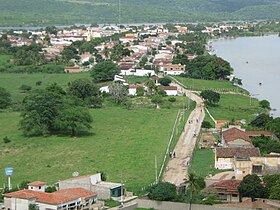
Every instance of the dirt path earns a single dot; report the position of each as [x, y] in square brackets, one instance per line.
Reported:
[177, 168]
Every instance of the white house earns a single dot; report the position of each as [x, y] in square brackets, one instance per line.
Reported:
[170, 90]
[138, 72]
[118, 78]
[133, 88]
[73, 198]
[104, 89]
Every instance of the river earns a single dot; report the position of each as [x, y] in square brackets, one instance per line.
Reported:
[256, 60]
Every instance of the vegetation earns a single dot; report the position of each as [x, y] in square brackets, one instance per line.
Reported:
[251, 186]
[23, 12]
[5, 98]
[104, 71]
[215, 85]
[113, 147]
[210, 97]
[165, 81]
[163, 191]
[111, 203]
[266, 145]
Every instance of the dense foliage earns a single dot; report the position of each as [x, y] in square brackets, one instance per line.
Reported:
[163, 191]
[5, 98]
[104, 71]
[209, 67]
[210, 97]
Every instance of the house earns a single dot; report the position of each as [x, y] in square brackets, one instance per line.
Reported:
[155, 79]
[224, 157]
[104, 190]
[72, 198]
[172, 69]
[235, 137]
[170, 90]
[118, 78]
[72, 69]
[227, 190]
[104, 89]
[132, 89]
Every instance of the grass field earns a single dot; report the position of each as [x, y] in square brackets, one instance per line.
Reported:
[233, 106]
[216, 85]
[203, 162]
[12, 82]
[123, 144]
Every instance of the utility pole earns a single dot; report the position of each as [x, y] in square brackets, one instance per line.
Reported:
[156, 173]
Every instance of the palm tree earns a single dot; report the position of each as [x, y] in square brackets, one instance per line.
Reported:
[192, 186]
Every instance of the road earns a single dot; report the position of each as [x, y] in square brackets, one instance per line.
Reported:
[177, 168]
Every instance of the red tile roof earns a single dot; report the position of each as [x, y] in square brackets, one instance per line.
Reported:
[58, 197]
[225, 187]
[222, 152]
[37, 183]
[136, 86]
[168, 87]
[234, 133]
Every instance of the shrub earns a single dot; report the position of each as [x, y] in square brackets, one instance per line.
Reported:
[206, 124]
[6, 140]
[163, 191]
[172, 99]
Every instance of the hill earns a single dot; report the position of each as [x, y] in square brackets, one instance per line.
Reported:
[46, 12]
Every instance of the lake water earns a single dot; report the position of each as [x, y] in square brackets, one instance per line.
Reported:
[255, 60]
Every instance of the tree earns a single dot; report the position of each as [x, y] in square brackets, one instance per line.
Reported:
[33, 207]
[51, 30]
[157, 99]
[87, 91]
[194, 183]
[140, 91]
[163, 191]
[261, 120]
[50, 189]
[118, 92]
[74, 120]
[274, 126]
[206, 124]
[5, 98]
[165, 81]
[104, 71]
[210, 96]
[252, 187]
[25, 88]
[264, 104]
[39, 111]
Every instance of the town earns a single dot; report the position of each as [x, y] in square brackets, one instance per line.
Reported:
[222, 151]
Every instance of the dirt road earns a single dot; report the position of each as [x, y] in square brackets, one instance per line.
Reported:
[177, 168]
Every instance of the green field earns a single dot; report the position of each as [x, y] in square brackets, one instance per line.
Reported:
[233, 106]
[203, 162]
[216, 85]
[136, 79]
[12, 82]
[123, 144]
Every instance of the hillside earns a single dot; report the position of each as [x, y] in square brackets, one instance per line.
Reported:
[43, 12]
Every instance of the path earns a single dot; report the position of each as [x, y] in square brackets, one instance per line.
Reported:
[177, 168]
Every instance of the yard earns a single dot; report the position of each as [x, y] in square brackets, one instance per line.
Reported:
[123, 144]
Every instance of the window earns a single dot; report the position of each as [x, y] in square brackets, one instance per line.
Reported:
[257, 169]
[235, 196]
[40, 187]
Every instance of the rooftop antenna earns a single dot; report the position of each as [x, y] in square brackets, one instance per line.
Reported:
[9, 172]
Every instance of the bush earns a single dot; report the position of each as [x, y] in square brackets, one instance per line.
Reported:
[6, 140]
[165, 81]
[172, 99]
[25, 88]
[206, 124]
[163, 191]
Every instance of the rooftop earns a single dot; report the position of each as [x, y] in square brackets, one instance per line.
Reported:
[37, 183]
[237, 152]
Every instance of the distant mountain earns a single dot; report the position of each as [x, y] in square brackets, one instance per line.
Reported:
[43, 12]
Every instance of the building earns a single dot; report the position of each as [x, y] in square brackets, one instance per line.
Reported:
[104, 190]
[224, 157]
[235, 137]
[227, 190]
[73, 198]
[72, 69]
[170, 90]
[172, 69]
[132, 89]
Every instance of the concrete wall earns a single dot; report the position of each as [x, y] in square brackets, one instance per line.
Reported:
[75, 183]
[162, 205]
[16, 203]
[102, 192]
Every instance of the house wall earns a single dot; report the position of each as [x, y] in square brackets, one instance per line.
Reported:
[102, 192]
[239, 143]
[132, 91]
[224, 163]
[43, 206]
[17, 203]
[271, 164]
[75, 183]
[171, 92]
[243, 167]
[173, 72]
